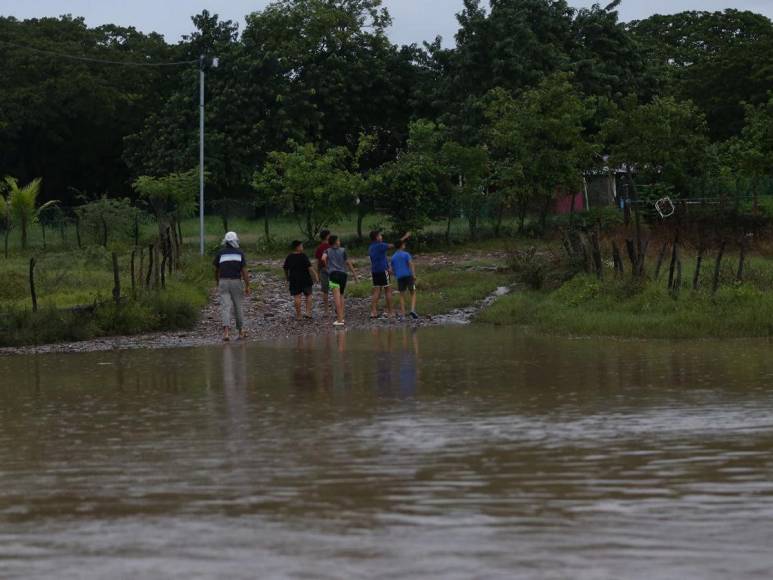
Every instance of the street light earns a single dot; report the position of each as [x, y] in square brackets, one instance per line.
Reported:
[215, 62]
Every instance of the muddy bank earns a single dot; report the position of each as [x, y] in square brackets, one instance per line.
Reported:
[269, 315]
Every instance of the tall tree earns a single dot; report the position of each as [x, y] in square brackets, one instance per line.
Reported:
[719, 60]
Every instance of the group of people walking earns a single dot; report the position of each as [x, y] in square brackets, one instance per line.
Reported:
[331, 269]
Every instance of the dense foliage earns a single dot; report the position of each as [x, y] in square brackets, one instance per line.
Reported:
[532, 95]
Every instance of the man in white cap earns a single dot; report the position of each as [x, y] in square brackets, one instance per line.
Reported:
[230, 270]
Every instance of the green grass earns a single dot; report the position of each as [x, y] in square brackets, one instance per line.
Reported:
[585, 306]
[84, 279]
[441, 290]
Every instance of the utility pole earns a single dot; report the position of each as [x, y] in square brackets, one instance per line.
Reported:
[202, 63]
[201, 155]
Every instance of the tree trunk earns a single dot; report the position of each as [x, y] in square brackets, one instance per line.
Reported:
[361, 213]
[631, 251]
[661, 257]
[617, 259]
[642, 259]
[142, 266]
[134, 288]
[78, 231]
[718, 267]
[266, 226]
[696, 277]
[104, 232]
[597, 263]
[741, 261]
[169, 246]
[500, 216]
[23, 224]
[116, 280]
[674, 258]
[150, 265]
[157, 268]
[33, 293]
[448, 227]
[309, 226]
[678, 280]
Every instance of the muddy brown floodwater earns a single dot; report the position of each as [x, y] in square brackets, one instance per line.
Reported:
[464, 452]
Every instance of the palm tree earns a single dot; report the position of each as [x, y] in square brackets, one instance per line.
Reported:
[22, 202]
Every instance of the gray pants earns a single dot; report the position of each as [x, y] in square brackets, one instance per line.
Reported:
[231, 297]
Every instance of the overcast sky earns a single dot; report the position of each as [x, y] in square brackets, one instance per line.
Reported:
[414, 20]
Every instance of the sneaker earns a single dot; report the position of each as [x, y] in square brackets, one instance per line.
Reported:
[414, 315]
[336, 323]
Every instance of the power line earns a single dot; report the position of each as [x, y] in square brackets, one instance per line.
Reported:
[97, 60]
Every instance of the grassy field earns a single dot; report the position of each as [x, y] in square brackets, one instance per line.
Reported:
[442, 289]
[251, 231]
[626, 308]
[74, 290]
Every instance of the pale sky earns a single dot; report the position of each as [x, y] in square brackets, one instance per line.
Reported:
[414, 20]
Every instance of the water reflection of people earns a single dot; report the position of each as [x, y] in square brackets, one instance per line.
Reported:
[235, 388]
[304, 379]
[404, 383]
[409, 371]
[383, 361]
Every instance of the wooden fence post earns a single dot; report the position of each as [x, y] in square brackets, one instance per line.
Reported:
[134, 289]
[116, 280]
[33, 294]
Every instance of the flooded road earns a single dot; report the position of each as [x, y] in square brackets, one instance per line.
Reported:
[470, 452]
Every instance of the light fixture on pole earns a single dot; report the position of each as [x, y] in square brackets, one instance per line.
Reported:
[215, 62]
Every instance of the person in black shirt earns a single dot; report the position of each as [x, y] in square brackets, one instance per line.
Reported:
[230, 270]
[299, 273]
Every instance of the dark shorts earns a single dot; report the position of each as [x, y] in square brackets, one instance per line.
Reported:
[297, 289]
[338, 280]
[381, 279]
[406, 283]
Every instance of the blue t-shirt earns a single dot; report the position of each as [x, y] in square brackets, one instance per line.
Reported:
[401, 264]
[378, 256]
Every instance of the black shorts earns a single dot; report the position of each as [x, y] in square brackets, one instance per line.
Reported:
[381, 279]
[296, 289]
[338, 280]
[406, 283]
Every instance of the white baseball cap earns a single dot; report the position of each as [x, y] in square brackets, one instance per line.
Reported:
[231, 239]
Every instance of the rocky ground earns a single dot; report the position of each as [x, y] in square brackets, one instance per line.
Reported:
[269, 315]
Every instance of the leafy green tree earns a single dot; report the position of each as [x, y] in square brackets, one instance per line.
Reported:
[65, 120]
[172, 198]
[267, 184]
[606, 59]
[719, 60]
[752, 153]
[316, 186]
[663, 142]
[105, 217]
[410, 188]
[542, 135]
[468, 167]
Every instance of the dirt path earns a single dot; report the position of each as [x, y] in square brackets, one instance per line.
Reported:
[269, 315]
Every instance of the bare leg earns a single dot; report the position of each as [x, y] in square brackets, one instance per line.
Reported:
[374, 301]
[338, 300]
[413, 300]
[297, 306]
[388, 295]
[308, 305]
[402, 303]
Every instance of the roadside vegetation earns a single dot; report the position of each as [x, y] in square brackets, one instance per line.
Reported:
[474, 146]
